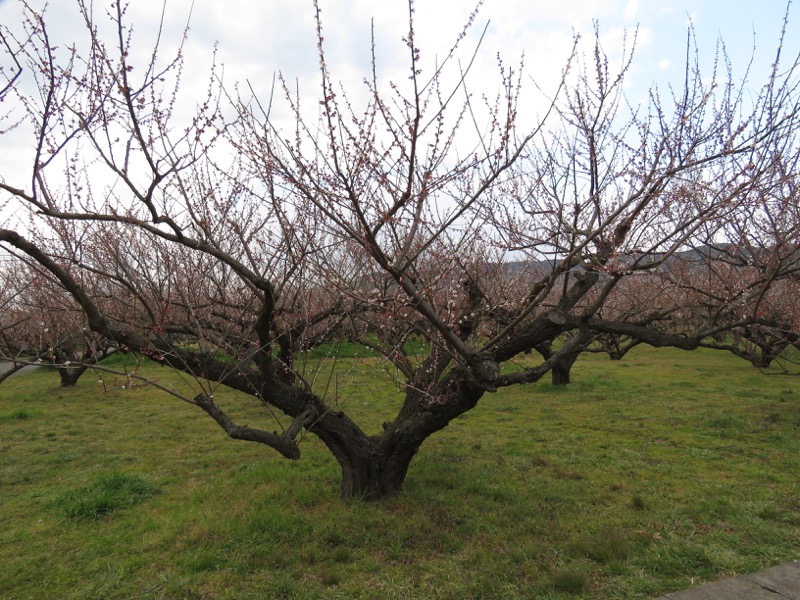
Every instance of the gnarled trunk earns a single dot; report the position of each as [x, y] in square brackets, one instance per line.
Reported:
[562, 368]
[762, 361]
[70, 375]
[375, 467]
[72, 363]
[374, 477]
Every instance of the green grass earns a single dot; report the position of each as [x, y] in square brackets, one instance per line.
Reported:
[346, 349]
[106, 494]
[640, 478]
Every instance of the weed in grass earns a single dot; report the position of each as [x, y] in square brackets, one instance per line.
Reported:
[279, 558]
[334, 539]
[538, 461]
[484, 586]
[569, 474]
[275, 523]
[330, 576]
[341, 555]
[572, 580]
[105, 495]
[312, 555]
[768, 422]
[617, 568]
[204, 560]
[19, 415]
[637, 502]
[604, 547]
[283, 586]
[308, 496]
[778, 514]
[395, 550]
[35, 397]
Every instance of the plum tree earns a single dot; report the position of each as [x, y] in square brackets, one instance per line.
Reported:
[413, 211]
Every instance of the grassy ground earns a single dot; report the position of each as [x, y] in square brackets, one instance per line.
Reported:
[642, 477]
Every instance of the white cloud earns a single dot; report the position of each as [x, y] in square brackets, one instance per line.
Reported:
[631, 10]
[258, 39]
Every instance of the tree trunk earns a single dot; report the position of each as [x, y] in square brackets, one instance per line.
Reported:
[70, 375]
[80, 359]
[374, 478]
[374, 468]
[762, 361]
[562, 368]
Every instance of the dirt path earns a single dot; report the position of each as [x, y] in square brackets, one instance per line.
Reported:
[6, 366]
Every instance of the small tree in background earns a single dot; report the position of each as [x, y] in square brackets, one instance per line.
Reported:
[41, 324]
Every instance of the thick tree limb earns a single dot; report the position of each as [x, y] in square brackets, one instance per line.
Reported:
[282, 443]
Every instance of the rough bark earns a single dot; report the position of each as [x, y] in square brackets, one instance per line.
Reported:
[562, 369]
[374, 475]
[374, 468]
[70, 375]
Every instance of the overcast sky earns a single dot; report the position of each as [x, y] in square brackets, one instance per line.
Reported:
[258, 39]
